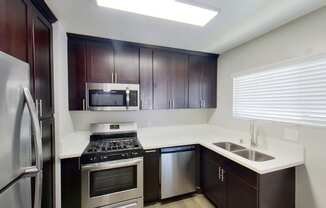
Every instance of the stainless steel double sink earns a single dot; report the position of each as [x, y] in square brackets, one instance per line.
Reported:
[246, 153]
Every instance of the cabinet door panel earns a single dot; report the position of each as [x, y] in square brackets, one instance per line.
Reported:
[13, 28]
[209, 82]
[151, 175]
[100, 63]
[48, 163]
[77, 73]
[214, 187]
[126, 63]
[179, 80]
[70, 183]
[161, 75]
[146, 78]
[42, 66]
[195, 73]
[240, 194]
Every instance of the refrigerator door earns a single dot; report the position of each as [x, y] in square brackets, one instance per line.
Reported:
[16, 196]
[15, 133]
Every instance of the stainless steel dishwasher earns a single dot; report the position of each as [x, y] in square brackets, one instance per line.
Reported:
[178, 171]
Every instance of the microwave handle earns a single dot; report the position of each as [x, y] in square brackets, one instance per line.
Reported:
[127, 98]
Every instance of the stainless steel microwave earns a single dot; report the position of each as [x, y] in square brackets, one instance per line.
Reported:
[111, 96]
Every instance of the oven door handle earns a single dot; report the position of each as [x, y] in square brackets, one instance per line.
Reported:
[112, 164]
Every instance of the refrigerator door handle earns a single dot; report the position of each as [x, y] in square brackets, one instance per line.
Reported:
[37, 169]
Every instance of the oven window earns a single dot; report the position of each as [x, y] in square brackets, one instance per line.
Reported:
[113, 180]
[101, 98]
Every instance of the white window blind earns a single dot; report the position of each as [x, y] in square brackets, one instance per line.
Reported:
[294, 93]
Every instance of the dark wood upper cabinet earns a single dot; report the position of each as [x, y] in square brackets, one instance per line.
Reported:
[170, 79]
[146, 78]
[42, 66]
[179, 80]
[151, 175]
[161, 76]
[13, 28]
[126, 63]
[202, 81]
[100, 62]
[76, 73]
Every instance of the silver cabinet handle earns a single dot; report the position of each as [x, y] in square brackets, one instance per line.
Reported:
[37, 169]
[116, 77]
[127, 97]
[41, 108]
[150, 151]
[173, 103]
[84, 104]
[112, 77]
[222, 174]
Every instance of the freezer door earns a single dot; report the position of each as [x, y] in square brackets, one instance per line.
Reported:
[15, 124]
[15, 196]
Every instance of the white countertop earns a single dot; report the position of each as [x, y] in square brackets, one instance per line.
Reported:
[286, 154]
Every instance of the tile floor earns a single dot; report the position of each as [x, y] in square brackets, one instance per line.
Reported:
[195, 201]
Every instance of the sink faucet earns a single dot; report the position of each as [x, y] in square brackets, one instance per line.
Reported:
[253, 135]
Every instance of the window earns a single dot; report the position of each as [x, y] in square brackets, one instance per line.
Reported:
[293, 92]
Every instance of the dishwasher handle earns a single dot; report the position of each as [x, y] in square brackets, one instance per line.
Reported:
[178, 149]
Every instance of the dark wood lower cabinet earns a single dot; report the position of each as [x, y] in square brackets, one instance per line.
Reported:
[151, 175]
[237, 186]
[70, 183]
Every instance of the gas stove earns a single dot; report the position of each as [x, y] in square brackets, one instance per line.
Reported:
[112, 142]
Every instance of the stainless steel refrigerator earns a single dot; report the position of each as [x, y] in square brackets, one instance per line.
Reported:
[20, 138]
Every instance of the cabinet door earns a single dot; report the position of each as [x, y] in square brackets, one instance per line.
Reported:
[178, 80]
[151, 175]
[100, 63]
[126, 63]
[70, 183]
[209, 82]
[146, 78]
[240, 194]
[41, 32]
[48, 162]
[196, 65]
[77, 73]
[214, 186]
[13, 28]
[161, 76]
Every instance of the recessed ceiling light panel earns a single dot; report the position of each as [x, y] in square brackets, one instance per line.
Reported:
[164, 9]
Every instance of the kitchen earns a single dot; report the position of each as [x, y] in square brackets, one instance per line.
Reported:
[128, 114]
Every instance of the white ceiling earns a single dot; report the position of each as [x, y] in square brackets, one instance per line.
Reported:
[239, 21]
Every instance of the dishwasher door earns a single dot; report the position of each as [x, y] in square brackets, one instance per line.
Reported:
[178, 171]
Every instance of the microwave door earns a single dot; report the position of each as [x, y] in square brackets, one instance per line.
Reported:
[107, 100]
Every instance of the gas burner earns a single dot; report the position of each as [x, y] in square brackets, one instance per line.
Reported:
[112, 146]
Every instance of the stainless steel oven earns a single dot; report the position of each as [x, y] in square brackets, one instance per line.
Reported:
[111, 96]
[113, 184]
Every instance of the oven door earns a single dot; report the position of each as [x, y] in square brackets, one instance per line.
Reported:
[108, 183]
[106, 96]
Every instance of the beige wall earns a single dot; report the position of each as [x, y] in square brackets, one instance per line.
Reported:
[303, 37]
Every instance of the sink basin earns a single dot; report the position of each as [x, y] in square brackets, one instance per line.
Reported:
[229, 146]
[253, 155]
